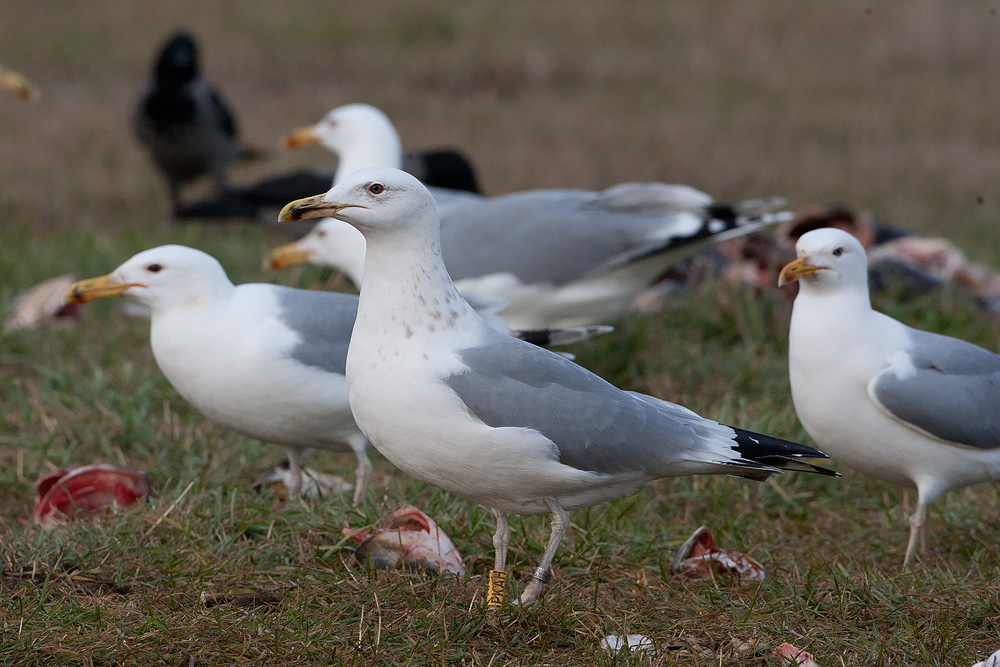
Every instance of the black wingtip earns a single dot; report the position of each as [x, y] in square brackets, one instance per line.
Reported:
[778, 453]
[795, 465]
[724, 213]
[720, 222]
[556, 337]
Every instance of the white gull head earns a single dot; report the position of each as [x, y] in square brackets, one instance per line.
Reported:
[829, 261]
[163, 278]
[380, 202]
[361, 136]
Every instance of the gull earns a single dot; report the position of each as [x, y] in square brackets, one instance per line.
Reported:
[264, 360]
[182, 121]
[562, 258]
[516, 428]
[909, 407]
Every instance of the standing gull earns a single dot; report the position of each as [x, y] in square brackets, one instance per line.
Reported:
[521, 430]
[912, 408]
[264, 360]
[562, 258]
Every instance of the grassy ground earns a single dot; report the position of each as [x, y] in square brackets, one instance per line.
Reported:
[888, 106]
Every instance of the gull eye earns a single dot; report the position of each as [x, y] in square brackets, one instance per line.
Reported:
[154, 268]
[376, 188]
[321, 233]
[838, 252]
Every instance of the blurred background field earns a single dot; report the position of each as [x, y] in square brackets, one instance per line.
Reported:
[885, 106]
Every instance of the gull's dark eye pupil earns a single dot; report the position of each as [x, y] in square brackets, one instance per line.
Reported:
[838, 252]
[154, 268]
[376, 188]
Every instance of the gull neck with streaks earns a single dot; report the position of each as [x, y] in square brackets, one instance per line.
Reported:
[405, 277]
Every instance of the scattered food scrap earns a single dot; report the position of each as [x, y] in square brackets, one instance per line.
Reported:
[42, 304]
[64, 495]
[898, 259]
[17, 84]
[409, 538]
[790, 655]
[701, 558]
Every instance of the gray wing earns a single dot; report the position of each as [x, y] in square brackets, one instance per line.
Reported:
[953, 392]
[595, 426]
[555, 236]
[541, 236]
[324, 321]
[653, 198]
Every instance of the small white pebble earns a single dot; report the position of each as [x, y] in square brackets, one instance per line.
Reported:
[614, 643]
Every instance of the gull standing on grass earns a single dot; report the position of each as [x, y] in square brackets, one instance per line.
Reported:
[916, 409]
[264, 360]
[562, 258]
[521, 430]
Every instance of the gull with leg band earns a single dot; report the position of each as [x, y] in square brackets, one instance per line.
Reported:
[516, 428]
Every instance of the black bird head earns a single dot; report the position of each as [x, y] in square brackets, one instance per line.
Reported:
[178, 61]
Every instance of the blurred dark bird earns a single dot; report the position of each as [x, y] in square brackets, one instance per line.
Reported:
[183, 123]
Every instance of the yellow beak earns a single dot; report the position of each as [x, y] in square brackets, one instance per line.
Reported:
[16, 84]
[795, 270]
[287, 255]
[83, 291]
[312, 207]
[303, 136]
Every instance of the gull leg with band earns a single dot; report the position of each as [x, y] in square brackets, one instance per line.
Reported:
[453, 402]
[498, 575]
[542, 576]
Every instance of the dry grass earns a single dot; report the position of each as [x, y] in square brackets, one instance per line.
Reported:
[889, 106]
